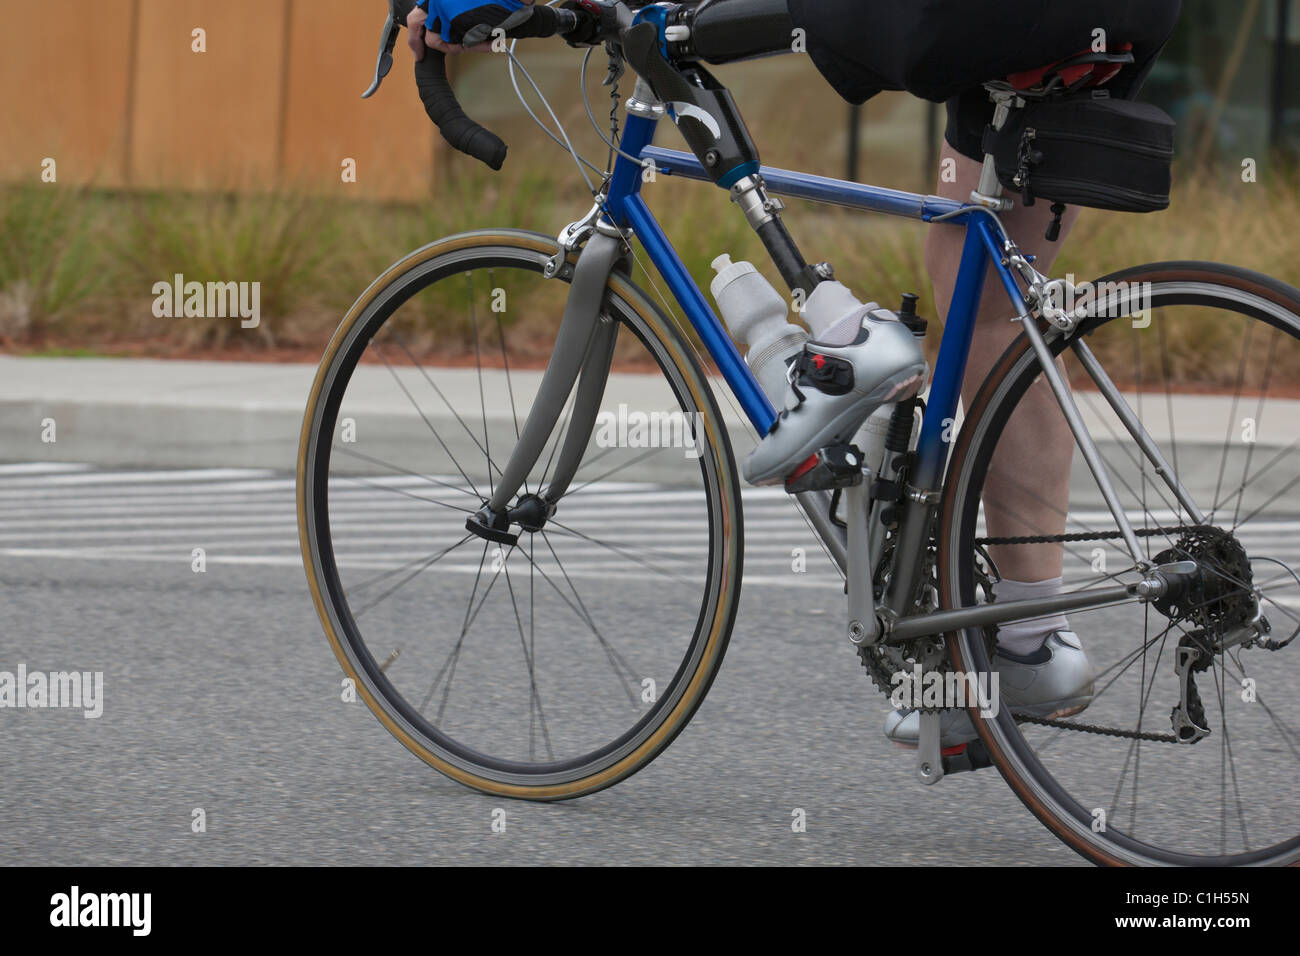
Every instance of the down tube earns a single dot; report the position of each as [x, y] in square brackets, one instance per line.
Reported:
[711, 331]
[937, 429]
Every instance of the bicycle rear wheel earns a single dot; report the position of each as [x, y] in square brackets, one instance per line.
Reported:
[1214, 377]
[561, 664]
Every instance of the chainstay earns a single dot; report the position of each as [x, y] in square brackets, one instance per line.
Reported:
[1078, 538]
[1089, 536]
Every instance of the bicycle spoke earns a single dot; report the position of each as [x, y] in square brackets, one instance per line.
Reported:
[1259, 421]
[612, 656]
[617, 550]
[416, 405]
[371, 459]
[478, 364]
[1232, 416]
[613, 471]
[505, 364]
[1290, 736]
[1240, 489]
[610, 650]
[1169, 395]
[434, 385]
[454, 655]
[1141, 462]
[534, 696]
[1227, 764]
[1134, 751]
[428, 563]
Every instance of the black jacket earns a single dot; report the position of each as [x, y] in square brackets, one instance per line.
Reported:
[936, 49]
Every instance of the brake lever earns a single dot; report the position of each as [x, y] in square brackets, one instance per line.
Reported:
[384, 62]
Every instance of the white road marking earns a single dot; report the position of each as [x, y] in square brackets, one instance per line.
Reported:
[248, 517]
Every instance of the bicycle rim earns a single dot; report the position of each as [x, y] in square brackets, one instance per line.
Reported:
[1121, 800]
[657, 651]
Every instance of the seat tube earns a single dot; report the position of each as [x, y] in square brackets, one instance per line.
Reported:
[939, 426]
[937, 431]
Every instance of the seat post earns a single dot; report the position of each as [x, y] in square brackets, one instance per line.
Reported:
[989, 193]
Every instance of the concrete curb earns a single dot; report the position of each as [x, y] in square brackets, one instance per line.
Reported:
[158, 413]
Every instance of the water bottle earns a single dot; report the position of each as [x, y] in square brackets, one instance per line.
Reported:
[757, 317]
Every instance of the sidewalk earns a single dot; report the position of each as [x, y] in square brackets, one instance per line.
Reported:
[156, 413]
[161, 413]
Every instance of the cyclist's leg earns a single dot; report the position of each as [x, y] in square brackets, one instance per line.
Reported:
[1028, 486]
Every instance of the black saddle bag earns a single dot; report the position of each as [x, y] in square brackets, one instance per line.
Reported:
[1087, 150]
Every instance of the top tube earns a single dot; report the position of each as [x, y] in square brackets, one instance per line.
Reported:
[823, 189]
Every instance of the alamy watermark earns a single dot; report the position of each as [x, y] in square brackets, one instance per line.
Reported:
[208, 300]
[946, 689]
[133, 911]
[634, 429]
[1103, 299]
[83, 690]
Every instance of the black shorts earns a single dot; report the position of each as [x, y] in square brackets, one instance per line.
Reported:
[944, 50]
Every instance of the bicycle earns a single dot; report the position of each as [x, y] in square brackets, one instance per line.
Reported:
[559, 707]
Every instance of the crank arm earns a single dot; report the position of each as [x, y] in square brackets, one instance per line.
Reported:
[929, 751]
[864, 625]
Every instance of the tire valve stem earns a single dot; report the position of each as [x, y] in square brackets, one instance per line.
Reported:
[383, 668]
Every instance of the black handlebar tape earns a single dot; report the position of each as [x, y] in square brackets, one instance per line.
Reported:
[727, 30]
[457, 129]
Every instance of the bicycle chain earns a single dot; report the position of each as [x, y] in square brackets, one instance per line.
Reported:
[1082, 536]
[1098, 729]
[878, 676]
[1079, 538]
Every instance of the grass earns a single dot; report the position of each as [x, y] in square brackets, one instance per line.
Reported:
[77, 267]
[50, 258]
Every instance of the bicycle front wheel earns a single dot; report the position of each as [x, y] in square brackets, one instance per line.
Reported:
[558, 665]
[1208, 359]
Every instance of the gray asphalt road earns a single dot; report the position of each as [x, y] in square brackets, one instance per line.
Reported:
[221, 693]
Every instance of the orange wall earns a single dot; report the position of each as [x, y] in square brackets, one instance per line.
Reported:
[275, 99]
[62, 95]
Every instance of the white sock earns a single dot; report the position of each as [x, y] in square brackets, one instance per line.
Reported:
[1023, 638]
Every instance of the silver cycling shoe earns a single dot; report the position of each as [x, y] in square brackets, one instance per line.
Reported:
[834, 388]
[1055, 682]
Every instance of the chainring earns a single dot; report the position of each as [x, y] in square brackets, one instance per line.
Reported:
[883, 661]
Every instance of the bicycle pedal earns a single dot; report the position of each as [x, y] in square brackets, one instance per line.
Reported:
[835, 466]
[966, 758]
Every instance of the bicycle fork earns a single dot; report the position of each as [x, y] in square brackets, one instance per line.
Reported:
[584, 349]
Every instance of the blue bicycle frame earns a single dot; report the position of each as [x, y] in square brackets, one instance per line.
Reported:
[983, 248]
